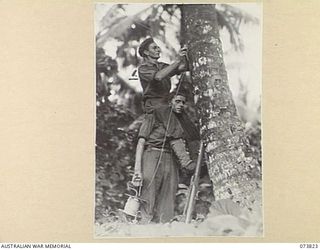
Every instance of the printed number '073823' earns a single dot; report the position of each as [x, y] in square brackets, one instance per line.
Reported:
[308, 245]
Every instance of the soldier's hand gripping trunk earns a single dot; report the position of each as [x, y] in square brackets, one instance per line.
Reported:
[179, 148]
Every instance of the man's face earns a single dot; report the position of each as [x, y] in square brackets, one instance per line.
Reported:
[153, 51]
[178, 104]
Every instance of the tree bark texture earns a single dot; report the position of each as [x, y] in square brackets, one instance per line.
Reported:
[233, 171]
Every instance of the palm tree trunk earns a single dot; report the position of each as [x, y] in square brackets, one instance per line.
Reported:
[232, 170]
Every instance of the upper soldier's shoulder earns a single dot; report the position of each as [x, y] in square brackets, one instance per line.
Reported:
[143, 68]
[142, 65]
[145, 65]
[163, 64]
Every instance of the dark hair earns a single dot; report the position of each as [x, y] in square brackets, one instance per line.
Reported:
[144, 45]
[175, 93]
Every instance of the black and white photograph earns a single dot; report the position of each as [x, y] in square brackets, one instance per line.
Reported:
[178, 120]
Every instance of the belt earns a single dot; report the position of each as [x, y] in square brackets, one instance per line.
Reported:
[165, 150]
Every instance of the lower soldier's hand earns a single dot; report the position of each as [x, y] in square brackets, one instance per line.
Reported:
[191, 166]
[185, 173]
[137, 178]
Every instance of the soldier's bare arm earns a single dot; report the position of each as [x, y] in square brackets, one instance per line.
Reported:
[137, 177]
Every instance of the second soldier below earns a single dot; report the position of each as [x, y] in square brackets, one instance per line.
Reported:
[160, 151]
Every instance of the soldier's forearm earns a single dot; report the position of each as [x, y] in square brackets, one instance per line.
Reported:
[139, 153]
[167, 71]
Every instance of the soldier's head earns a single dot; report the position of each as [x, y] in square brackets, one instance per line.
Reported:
[149, 49]
[178, 101]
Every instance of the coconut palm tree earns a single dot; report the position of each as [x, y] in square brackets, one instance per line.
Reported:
[232, 169]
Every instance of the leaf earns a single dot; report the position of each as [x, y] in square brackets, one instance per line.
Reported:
[231, 18]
